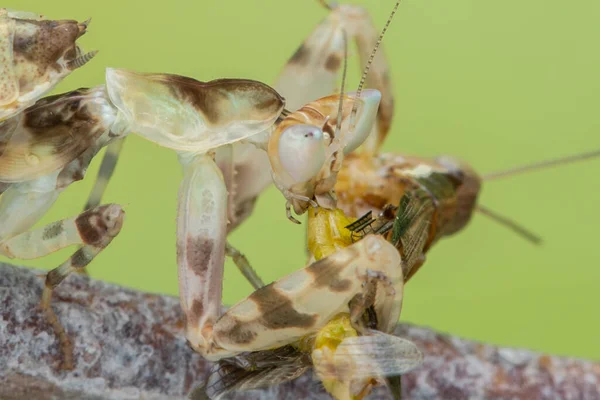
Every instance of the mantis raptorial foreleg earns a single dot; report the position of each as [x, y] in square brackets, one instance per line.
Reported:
[93, 230]
[201, 216]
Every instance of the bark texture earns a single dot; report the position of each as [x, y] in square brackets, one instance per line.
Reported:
[130, 345]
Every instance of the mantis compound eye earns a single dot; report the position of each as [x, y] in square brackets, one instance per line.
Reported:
[302, 151]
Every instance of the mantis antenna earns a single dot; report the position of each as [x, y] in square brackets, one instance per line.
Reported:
[338, 125]
[368, 66]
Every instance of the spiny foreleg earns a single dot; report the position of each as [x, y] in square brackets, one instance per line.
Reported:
[93, 229]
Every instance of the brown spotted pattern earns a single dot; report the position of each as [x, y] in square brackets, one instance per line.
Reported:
[213, 99]
[91, 225]
[195, 313]
[53, 230]
[197, 253]
[276, 312]
[239, 333]
[301, 56]
[56, 130]
[333, 62]
[326, 273]
[54, 277]
[81, 258]
[43, 47]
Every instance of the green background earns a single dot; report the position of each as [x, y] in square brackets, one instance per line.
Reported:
[495, 83]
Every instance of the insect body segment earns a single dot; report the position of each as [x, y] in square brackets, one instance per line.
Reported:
[305, 177]
[312, 72]
[328, 310]
[35, 55]
[304, 301]
[54, 132]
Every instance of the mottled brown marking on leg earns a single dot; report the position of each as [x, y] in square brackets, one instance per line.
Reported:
[53, 230]
[239, 334]
[210, 98]
[54, 278]
[300, 56]
[195, 313]
[278, 311]
[64, 123]
[91, 226]
[267, 103]
[198, 252]
[80, 258]
[325, 273]
[333, 62]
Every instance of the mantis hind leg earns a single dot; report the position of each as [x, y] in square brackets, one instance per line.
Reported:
[109, 162]
[244, 266]
[107, 168]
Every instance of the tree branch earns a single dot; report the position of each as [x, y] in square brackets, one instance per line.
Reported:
[130, 345]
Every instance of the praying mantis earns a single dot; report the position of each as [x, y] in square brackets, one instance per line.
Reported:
[300, 204]
[196, 119]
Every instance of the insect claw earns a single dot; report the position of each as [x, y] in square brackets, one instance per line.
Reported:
[288, 213]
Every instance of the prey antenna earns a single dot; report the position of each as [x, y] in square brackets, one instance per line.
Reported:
[541, 165]
[368, 66]
[510, 224]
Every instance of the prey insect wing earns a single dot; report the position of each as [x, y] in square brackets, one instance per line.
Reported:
[376, 354]
[411, 228]
[255, 370]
